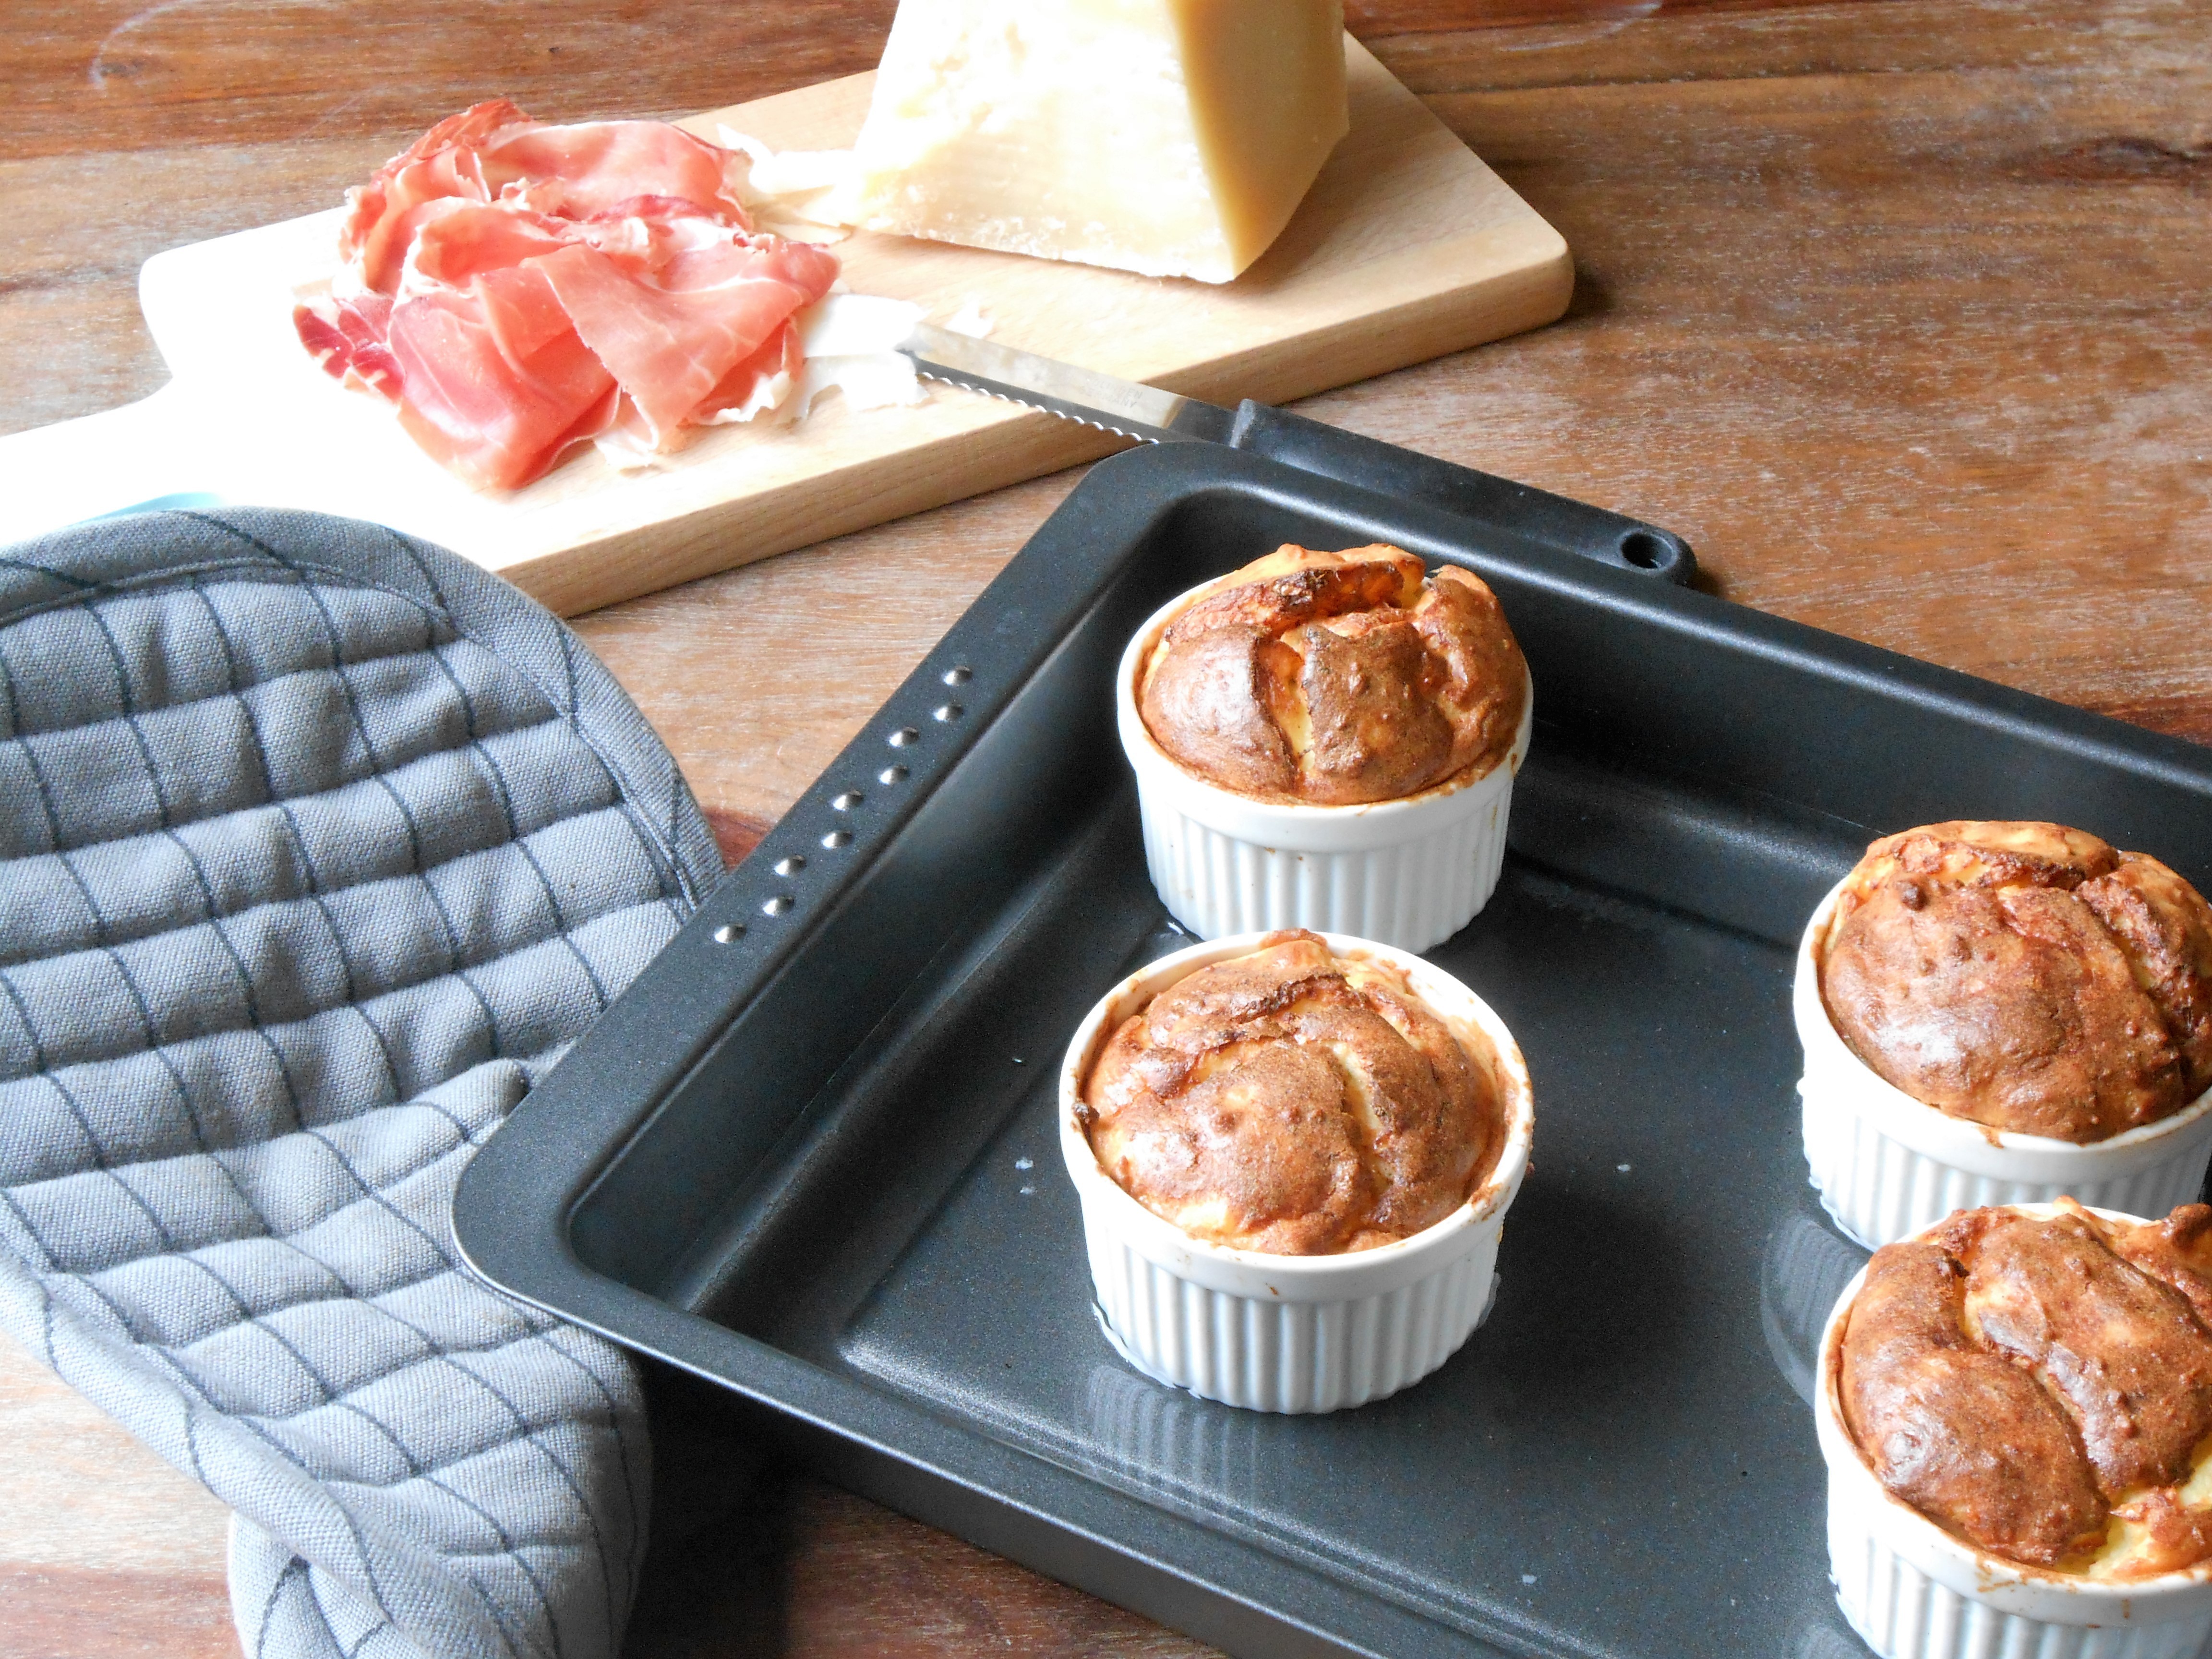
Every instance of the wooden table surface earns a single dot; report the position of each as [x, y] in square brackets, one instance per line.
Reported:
[1895, 308]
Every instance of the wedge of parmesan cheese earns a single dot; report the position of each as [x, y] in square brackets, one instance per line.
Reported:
[1173, 138]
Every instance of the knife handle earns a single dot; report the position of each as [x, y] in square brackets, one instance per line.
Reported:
[1500, 505]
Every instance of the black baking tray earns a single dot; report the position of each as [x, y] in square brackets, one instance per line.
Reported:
[810, 1154]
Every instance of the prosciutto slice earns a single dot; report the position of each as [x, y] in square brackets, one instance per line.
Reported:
[518, 288]
[495, 374]
[673, 335]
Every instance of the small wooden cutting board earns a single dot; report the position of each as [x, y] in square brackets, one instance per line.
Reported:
[1408, 247]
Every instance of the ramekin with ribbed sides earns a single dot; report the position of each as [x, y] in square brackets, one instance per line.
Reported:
[1285, 1333]
[1409, 871]
[1913, 1590]
[1887, 1165]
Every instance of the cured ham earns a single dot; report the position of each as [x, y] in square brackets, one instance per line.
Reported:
[672, 336]
[518, 288]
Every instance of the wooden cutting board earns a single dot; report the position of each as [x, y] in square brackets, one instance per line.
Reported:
[1407, 248]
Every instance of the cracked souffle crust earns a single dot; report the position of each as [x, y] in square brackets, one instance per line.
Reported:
[2025, 976]
[1294, 1101]
[1334, 679]
[2041, 1385]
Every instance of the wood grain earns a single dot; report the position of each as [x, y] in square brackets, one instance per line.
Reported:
[105, 1550]
[131, 76]
[1900, 322]
[1892, 307]
[859, 1572]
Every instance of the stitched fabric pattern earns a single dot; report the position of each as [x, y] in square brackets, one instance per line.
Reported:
[317, 846]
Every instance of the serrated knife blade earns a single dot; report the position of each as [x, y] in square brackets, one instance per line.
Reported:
[1142, 412]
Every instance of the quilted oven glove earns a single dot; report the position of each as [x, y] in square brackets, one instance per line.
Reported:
[319, 846]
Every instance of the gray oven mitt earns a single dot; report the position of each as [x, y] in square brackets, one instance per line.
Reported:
[317, 845]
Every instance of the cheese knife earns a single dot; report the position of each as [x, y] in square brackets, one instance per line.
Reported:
[1514, 512]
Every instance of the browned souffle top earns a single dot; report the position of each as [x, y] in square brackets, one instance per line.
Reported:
[2021, 1380]
[1332, 679]
[1293, 1102]
[2025, 976]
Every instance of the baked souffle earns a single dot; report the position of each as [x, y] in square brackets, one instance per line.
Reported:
[2040, 1385]
[2024, 976]
[1294, 1102]
[1334, 679]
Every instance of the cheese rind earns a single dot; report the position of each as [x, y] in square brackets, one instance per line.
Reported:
[1171, 137]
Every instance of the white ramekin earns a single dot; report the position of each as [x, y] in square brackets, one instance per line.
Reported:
[1914, 1591]
[1408, 872]
[1887, 1165]
[1291, 1333]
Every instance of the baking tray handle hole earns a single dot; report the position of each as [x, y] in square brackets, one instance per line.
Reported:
[1653, 550]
